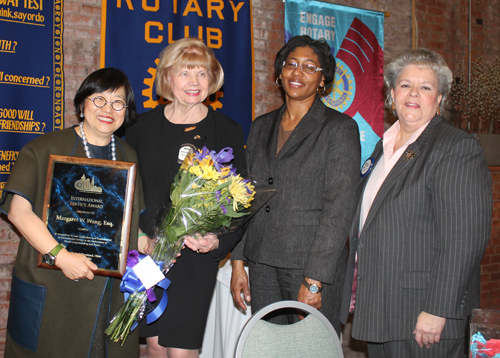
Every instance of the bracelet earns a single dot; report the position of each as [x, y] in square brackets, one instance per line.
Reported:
[141, 234]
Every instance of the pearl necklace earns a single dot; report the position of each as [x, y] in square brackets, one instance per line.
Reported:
[86, 147]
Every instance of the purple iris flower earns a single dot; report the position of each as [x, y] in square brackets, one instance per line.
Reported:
[202, 154]
[132, 258]
[225, 155]
[217, 195]
[150, 292]
[224, 210]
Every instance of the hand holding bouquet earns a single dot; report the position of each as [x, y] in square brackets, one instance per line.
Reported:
[205, 196]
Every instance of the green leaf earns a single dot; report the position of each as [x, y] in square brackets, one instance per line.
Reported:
[235, 214]
[175, 196]
[223, 185]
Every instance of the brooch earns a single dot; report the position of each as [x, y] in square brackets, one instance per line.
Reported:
[409, 154]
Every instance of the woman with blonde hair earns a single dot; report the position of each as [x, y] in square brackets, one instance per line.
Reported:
[187, 73]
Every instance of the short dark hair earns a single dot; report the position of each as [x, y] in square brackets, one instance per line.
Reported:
[320, 47]
[104, 80]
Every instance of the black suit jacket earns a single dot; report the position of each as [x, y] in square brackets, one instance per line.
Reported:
[305, 225]
[423, 239]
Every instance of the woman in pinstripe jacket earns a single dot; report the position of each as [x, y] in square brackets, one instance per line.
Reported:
[422, 223]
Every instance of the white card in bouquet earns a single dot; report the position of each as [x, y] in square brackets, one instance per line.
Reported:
[148, 272]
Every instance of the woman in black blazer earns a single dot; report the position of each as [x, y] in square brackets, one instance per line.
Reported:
[309, 153]
[188, 72]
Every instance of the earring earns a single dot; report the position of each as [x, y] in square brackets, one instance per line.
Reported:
[439, 111]
[81, 114]
[393, 106]
[277, 82]
[323, 91]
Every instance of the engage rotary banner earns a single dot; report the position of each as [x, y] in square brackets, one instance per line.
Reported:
[31, 75]
[356, 38]
[135, 31]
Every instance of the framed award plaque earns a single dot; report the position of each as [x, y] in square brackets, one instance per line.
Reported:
[88, 208]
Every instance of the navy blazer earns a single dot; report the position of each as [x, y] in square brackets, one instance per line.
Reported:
[422, 242]
[305, 225]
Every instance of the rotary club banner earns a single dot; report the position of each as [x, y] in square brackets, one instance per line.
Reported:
[356, 37]
[31, 75]
[135, 31]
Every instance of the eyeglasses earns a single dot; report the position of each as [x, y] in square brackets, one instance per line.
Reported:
[101, 102]
[307, 68]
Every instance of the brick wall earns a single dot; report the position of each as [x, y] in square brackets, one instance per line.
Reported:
[442, 26]
[82, 30]
[490, 265]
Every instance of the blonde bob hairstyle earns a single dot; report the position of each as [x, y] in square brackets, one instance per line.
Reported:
[187, 53]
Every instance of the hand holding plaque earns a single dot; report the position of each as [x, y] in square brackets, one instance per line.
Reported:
[88, 207]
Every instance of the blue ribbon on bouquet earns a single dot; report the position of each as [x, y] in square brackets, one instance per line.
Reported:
[131, 283]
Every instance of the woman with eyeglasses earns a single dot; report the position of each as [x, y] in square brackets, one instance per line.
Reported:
[295, 246]
[61, 313]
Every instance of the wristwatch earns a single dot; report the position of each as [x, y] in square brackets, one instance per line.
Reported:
[50, 257]
[312, 287]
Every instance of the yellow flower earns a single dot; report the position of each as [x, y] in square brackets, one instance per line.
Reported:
[223, 180]
[225, 171]
[196, 170]
[205, 170]
[188, 160]
[210, 173]
[238, 190]
[209, 186]
[206, 162]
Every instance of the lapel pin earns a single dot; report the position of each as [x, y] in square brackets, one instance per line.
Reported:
[367, 166]
[409, 154]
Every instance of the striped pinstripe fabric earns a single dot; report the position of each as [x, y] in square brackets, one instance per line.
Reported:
[423, 239]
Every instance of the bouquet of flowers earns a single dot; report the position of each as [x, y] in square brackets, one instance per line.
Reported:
[205, 196]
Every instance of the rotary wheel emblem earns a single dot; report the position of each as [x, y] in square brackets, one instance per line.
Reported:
[341, 95]
[216, 104]
[152, 103]
[148, 92]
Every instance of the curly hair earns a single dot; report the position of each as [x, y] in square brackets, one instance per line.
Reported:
[320, 48]
[422, 58]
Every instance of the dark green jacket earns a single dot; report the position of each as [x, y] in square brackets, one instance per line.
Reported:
[69, 312]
